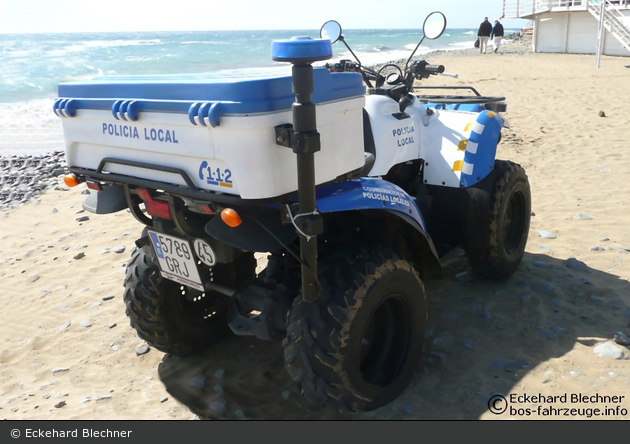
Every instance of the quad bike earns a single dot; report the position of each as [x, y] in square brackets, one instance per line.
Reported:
[355, 195]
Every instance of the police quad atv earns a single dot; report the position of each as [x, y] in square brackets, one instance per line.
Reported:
[355, 197]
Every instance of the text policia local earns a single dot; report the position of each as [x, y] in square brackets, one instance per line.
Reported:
[77, 433]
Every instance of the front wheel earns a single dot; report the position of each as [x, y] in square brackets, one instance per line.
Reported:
[358, 347]
[498, 250]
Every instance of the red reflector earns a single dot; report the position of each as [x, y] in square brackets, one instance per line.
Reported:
[206, 209]
[155, 208]
[144, 194]
[158, 209]
[94, 185]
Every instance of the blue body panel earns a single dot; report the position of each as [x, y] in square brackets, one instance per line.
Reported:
[368, 193]
[483, 159]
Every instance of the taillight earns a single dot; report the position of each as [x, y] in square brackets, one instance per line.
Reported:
[92, 185]
[155, 208]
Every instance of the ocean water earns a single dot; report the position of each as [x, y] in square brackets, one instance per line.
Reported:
[32, 65]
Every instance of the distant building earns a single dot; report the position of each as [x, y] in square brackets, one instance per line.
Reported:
[572, 26]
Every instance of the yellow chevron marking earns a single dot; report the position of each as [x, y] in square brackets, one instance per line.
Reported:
[462, 145]
[458, 165]
[491, 114]
[469, 126]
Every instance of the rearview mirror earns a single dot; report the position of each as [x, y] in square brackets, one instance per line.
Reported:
[330, 30]
[434, 25]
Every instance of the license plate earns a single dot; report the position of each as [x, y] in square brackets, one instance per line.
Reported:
[176, 259]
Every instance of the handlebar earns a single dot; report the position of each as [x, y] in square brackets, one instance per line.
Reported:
[434, 69]
[400, 86]
[422, 69]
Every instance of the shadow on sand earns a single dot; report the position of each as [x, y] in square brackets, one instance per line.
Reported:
[483, 338]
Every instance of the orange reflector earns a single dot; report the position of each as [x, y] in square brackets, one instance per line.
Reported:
[231, 217]
[71, 180]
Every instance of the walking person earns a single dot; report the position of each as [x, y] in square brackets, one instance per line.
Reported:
[497, 34]
[485, 29]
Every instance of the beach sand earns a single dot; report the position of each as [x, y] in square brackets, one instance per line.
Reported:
[536, 333]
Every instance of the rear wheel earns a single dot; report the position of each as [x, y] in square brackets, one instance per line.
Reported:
[506, 224]
[358, 347]
[174, 318]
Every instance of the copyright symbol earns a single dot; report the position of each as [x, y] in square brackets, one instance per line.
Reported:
[15, 433]
[497, 404]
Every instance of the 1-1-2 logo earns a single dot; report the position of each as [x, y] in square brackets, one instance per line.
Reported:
[215, 176]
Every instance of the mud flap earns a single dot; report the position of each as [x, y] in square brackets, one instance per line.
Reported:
[110, 200]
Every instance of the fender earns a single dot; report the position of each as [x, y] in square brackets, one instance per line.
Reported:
[368, 193]
[481, 149]
[110, 199]
[261, 229]
[373, 194]
[459, 147]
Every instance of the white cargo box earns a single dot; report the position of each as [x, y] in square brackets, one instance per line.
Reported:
[220, 133]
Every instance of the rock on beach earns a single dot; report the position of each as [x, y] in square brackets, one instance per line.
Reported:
[26, 176]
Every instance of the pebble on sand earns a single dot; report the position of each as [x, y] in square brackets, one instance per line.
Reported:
[609, 350]
[575, 264]
[198, 381]
[546, 234]
[219, 406]
[143, 349]
[582, 216]
[543, 288]
[64, 326]
[621, 339]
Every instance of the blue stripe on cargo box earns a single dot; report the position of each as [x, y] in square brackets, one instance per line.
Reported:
[236, 95]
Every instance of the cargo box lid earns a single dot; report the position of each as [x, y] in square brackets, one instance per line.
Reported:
[235, 95]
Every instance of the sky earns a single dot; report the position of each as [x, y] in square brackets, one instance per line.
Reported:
[26, 16]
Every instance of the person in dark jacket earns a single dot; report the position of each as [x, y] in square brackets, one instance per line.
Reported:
[485, 29]
[497, 34]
